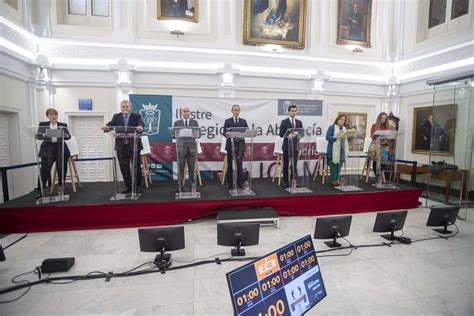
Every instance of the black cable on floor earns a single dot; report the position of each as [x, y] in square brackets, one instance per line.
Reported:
[23, 283]
[154, 269]
[22, 237]
[102, 275]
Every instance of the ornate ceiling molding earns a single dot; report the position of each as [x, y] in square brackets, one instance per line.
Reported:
[158, 60]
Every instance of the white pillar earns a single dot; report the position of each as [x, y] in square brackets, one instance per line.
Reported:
[124, 86]
[391, 97]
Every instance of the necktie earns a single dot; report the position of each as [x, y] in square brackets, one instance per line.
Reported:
[236, 121]
[125, 120]
[293, 122]
[186, 123]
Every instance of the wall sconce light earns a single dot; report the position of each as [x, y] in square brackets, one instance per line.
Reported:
[391, 90]
[357, 50]
[177, 33]
[41, 74]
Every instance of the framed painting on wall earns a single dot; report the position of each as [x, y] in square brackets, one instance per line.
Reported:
[186, 10]
[280, 22]
[353, 22]
[434, 130]
[356, 121]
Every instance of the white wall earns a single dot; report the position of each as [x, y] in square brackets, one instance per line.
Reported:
[103, 99]
[135, 53]
[14, 100]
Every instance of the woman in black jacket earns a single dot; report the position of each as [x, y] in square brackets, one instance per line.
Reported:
[51, 150]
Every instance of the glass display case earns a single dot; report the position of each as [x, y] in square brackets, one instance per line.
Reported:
[448, 128]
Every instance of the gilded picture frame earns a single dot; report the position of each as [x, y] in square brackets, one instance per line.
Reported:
[354, 22]
[356, 121]
[275, 22]
[183, 10]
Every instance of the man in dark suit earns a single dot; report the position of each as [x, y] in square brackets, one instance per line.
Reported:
[239, 147]
[186, 147]
[354, 22]
[124, 146]
[290, 122]
[174, 8]
[51, 150]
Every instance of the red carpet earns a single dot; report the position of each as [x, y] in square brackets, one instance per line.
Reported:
[60, 218]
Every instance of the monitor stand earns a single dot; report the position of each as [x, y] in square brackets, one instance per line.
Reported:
[163, 260]
[443, 230]
[333, 243]
[237, 251]
[390, 236]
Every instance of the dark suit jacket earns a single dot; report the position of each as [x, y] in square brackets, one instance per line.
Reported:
[174, 9]
[134, 120]
[231, 123]
[188, 142]
[47, 145]
[191, 123]
[284, 126]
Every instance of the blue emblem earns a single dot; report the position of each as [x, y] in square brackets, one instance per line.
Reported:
[151, 118]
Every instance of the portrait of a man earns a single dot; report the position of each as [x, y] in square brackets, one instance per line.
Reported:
[434, 129]
[178, 10]
[280, 22]
[354, 22]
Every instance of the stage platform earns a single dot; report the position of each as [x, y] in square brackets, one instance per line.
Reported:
[90, 207]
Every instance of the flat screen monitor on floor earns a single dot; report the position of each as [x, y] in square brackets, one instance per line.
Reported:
[443, 216]
[238, 235]
[390, 222]
[331, 228]
[285, 282]
[161, 239]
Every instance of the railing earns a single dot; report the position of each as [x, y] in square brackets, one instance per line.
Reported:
[4, 173]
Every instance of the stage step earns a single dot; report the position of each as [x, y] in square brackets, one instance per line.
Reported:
[261, 215]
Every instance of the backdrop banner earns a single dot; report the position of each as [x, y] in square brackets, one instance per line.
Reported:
[159, 112]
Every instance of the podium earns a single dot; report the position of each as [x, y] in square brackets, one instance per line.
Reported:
[56, 138]
[349, 177]
[125, 135]
[299, 181]
[186, 151]
[239, 147]
[385, 144]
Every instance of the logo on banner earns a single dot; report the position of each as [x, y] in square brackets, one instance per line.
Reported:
[167, 153]
[217, 152]
[285, 106]
[151, 118]
[265, 152]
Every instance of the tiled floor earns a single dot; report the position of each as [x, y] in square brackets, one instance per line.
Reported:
[426, 278]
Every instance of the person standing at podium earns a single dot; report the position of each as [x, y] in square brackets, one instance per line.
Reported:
[338, 148]
[381, 124]
[187, 148]
[239, 147]
[290, 122]
[124, 146]
[51, 150]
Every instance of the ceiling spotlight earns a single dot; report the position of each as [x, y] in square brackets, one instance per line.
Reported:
[357, 50]
[177, 33]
